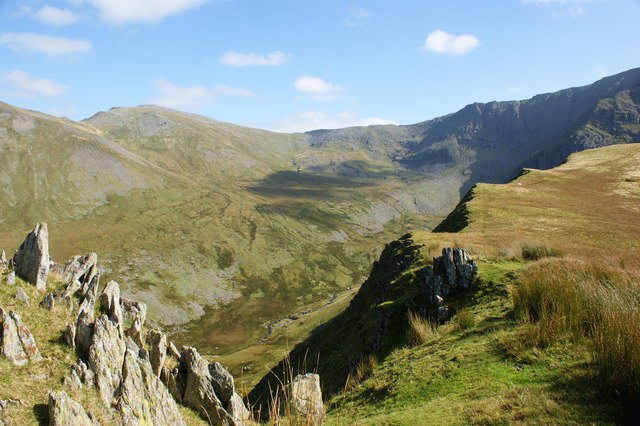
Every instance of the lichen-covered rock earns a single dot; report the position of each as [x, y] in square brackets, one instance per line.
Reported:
[32, 258]
[65, 411]
[3, 261]
[306, 398]
[106, 356]
[143, 397]
[84, 326]
[26, 338]
[157, 343]
[22, 296]
[110, 302]
[11, 346]
[48, 302]
[199, 392]
[11, 278]
[70, 335]
[222, 382]
[173, 351]
[79, 270]
[79, 375]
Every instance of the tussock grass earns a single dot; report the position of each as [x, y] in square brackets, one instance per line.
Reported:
[536, 251]
[421, 330]
[575, 300]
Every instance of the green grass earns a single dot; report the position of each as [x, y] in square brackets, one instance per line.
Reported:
[532, 251]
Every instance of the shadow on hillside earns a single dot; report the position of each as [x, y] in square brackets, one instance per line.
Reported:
[305, 185]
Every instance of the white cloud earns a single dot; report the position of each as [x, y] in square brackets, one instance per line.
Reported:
[181, 97]
[53, 15]
[514, 89]
[356, 16]
[236, 59]
[31, 86]
[52, 46]
[317, 89]
[312, 120]
[130, 11]
[441, 42]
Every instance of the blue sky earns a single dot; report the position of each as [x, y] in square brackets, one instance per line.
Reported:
[303, 64]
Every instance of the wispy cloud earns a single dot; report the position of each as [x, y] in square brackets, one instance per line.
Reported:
[52, 46]
[312, 120]
[514, 89]
[442, 42]
[54, 16]
[236, 59]
[356, 16]
[316, 88]
[194, 97]
[131, 11]
[29, 86]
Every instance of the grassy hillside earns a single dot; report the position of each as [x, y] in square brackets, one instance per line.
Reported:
[534, 340]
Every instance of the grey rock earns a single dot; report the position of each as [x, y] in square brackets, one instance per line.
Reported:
[11, 278]
[175, 384]
[84, 326]
[82, 373]
[32, 258]
[22, 296]
[110, 302]
[173, 351]
[306, 398]
[26, 338]
[238, 410]
[157, 342]
[70, 335]
[3, 261]
[78, 271]
[65, 411]
[11, 346]
[222, 382]
[106, 356]
[132, 346]
[134, 310]
[48, 302]
[90, 288]
[72, 381]
[143, 397]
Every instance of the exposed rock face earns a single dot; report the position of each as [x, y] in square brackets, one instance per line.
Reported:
[79, 270]
[65, 411]
[22, 296]
[106, 356]
[452, 271]
[84, 326]
[32, 258]
[3, 261]
[26, 338]
[157, 342]
[79, 375]
[11, 346]
[143, 397]
[110, 302]
[200, 389]
[306, 398]
[11, 278]
[136, 312]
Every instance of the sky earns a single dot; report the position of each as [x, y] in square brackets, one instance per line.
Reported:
[297, 65]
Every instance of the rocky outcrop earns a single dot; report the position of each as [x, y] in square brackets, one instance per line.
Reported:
[306, 398]
[32, 258]
[208, 389]
[454, 270]
[110, 302]
[11, 278]
[26, 338]
[4, 265]
[79, 270]
[106, 356]
[135, 313]
[157, 343]
[22, 296]
[64, 411]
[11, 346]
[143, 397]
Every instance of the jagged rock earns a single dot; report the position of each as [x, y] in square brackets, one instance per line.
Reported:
[135, 332]
[11, 346]
[72, 381]
[3, 261]
[79, 270]
[84, 326]
[11, 278]
[133, 310]
[237, 409]
[199, 392]
[26, 338]
[132, 346]
[173, 351]
[90, 288]
[110, 302]
[22, 296]
[157, 342]
[306, 398]
[48, 302]
[143, 397]
[222, 382]
[32, 258]
[70, 335]
[80, 375]
[175, 384]
[65, 411]
[106, 356]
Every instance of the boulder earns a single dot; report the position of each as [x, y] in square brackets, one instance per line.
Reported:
[78, 270]
[3, 261]
[157, 343]
[222, 382]
[143, 397]
[70, 335]
[48, 302]
[199, 392]
[22, 296]
[65, 411]
[26, 338]
[110, 302]
[11, 346]
[32, 258]
[106, 356]
[306, 398]
[11, 278]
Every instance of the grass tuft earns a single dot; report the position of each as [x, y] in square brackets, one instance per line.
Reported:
[421, 330]
[532, 251]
